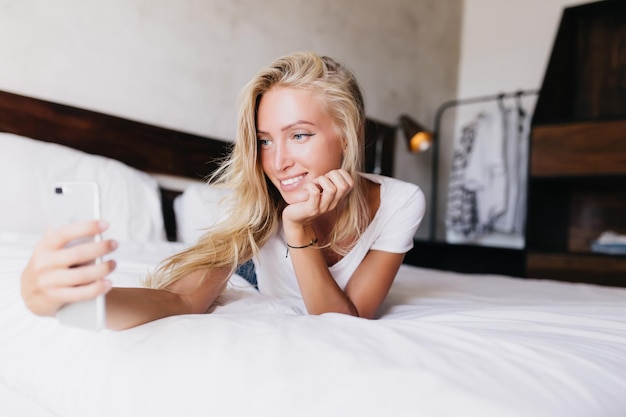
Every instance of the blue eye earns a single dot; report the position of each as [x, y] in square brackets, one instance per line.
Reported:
[302, 136]
[264, 142]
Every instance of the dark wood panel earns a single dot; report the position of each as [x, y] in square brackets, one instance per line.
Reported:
[600, 63]
[589, 148]
[602, 270]
[585, 77]
[145, 147]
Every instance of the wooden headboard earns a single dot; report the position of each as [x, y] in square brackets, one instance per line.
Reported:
[147, 147]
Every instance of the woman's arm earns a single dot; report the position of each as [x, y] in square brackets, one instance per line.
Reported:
[130, 307]
[51, 279]
[366, 289]
[319, 290]
[370, 283]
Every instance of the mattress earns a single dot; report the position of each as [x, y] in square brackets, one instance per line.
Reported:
[444, 344]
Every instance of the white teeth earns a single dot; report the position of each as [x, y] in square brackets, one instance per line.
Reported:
[291, 180]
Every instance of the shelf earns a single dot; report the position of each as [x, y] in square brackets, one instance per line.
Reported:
[577, 165]
[593, 211]
[597, 268]
[588, 148]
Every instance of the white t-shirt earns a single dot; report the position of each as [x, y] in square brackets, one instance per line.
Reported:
[402, 206]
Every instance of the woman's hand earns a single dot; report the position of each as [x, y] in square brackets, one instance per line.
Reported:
[325, 193]
[56, 275]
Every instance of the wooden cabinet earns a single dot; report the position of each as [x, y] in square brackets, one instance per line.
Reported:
[577, 184]
[579, 149]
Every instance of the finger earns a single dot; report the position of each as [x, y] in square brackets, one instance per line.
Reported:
[46, 261]
[59, 237]
[342, 180]
[342, 183]
[67, 295]
[81, 254]
[74, 277]
[326, 184]
[329, 191]
[315, 194]
[347, 178]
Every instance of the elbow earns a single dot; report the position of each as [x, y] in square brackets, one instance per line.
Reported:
[193, 305]
[349, 309]
[197, 302]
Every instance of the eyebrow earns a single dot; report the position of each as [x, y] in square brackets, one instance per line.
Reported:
[289, 126]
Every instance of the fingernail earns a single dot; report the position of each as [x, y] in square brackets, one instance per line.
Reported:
[104, 224]
[113, 244]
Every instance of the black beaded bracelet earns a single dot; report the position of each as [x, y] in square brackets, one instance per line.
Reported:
[311, 243]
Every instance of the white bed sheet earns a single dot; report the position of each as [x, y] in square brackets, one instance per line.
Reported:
[14, 404]
[446, 344]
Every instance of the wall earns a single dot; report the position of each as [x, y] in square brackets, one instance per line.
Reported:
[505, 46]
[181, 63]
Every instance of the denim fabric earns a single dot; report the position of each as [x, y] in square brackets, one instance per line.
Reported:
[246, 270]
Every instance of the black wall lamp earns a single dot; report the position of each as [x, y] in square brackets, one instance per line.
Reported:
[418, 138]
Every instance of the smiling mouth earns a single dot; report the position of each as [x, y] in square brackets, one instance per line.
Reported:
[291, 181]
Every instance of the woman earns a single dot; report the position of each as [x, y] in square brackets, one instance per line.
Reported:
[318, 230]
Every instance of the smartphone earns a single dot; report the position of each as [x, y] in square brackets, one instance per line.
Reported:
[76, 201]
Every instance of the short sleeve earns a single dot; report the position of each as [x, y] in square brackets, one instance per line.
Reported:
[402, 212]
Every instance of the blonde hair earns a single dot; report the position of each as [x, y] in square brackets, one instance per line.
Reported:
[255, 204]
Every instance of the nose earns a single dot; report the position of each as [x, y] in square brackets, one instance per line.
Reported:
[282, 157]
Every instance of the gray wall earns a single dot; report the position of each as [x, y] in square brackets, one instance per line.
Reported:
[182, 63]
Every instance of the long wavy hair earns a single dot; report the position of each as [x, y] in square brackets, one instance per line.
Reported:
[255, 205]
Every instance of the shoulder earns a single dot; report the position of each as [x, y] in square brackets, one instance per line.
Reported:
[398, 195]
[393, 186]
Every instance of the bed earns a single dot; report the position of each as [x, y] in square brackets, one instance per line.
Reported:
[444, 344]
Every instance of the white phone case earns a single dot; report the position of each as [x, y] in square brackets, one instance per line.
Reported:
[75, 201]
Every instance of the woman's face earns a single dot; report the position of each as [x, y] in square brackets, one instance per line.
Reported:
[297, 140]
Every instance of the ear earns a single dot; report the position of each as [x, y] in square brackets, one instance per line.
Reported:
[344, 143]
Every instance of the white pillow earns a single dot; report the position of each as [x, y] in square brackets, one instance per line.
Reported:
[198, 207]
[130, 199]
